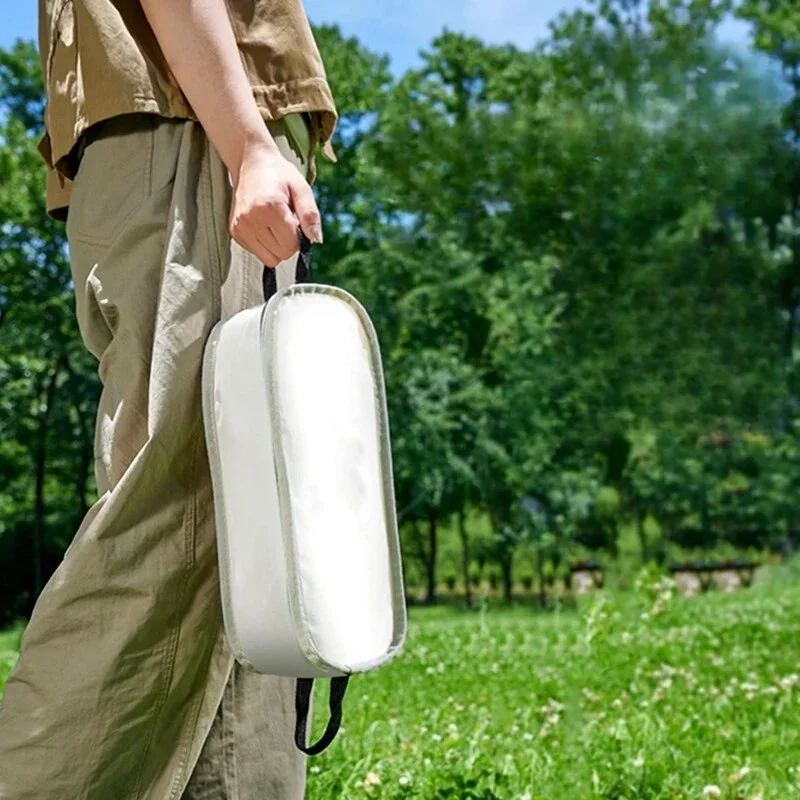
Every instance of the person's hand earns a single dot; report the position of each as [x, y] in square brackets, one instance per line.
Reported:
[270, 200]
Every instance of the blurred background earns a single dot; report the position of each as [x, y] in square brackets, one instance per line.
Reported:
[577, 230]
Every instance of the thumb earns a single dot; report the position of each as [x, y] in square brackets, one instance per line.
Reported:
[305, 208]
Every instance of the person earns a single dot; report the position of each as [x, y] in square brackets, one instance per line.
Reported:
[178, 135]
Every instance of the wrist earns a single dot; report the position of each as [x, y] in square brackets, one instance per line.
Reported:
[255, 143]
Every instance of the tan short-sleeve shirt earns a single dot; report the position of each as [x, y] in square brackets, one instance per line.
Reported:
[100, 59]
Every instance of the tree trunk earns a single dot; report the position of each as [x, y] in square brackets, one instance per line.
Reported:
[464, 536]
[504, 556]
[788, 346]
[790, 294]
[86, 447]
[506, 567]
[540, 574]
[40, 469]
[644, 546]
[430, 565]
[82, 479]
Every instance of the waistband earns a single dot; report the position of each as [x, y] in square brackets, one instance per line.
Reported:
[296, 127]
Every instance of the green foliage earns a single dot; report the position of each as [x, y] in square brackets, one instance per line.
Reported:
[9, 648]
[743, 487]
[607, 502]
[583, 261]
[49, 389]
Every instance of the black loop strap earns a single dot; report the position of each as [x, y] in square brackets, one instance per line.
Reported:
[305, 687]
[302, 272]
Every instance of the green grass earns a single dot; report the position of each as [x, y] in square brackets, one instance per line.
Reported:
[9, 642]
[634, 695]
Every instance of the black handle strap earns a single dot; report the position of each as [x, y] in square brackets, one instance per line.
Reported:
[305, 687]
[302, 272]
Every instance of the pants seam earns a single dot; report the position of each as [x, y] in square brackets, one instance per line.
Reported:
[206, 211]
[168, 665]
[184, 744]
[178, 786]
[190, 523]
[215, 246]
[229, 726]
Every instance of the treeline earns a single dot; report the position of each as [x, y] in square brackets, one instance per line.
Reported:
[583, 261]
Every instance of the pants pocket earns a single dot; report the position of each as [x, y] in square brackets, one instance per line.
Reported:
[114, 178]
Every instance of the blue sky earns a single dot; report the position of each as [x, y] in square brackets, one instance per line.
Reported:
[400, 28]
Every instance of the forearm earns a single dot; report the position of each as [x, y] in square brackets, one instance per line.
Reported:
[270, 197]
[198, 42]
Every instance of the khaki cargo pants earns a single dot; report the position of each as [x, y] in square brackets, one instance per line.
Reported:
[125, 688]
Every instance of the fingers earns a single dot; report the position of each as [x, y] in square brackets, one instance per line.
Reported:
[305, 208]
[255, 241]
[271, 258]
[282, 232]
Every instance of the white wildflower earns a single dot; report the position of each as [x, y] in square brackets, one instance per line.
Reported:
[789, 682]
[739, 774]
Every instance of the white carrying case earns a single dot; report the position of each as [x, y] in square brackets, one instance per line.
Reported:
[296, 424]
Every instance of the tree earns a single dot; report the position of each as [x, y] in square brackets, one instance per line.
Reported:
[777, 33]
[40, 350]
[582, 262]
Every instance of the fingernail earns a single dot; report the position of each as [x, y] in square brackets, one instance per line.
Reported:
[316, 234]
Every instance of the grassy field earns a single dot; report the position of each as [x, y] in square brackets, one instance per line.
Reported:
[634, 695]
[9, 641]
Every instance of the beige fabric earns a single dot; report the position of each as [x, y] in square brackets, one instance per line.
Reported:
[100, 59]
[249, 752]
[124, 662]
